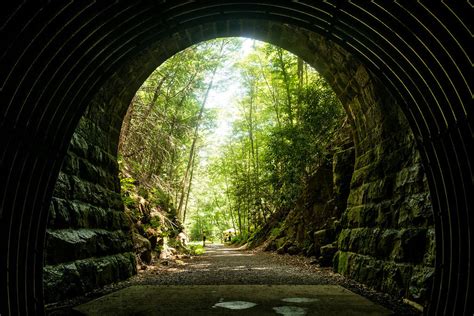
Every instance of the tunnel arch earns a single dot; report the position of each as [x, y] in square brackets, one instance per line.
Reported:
[58, 56]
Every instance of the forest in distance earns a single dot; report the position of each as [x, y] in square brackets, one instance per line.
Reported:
[222, 136]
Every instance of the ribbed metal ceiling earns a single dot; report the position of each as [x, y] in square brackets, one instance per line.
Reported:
[56, 54]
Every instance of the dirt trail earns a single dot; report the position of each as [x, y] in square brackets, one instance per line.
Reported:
[222, 264]
[225, 265]
[229, 265]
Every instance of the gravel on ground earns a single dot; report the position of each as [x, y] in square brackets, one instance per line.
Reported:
[222, 264]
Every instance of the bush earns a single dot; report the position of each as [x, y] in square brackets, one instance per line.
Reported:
[238, 240]
[196, 249]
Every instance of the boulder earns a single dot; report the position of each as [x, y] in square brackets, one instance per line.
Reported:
[327, 254]
[142, 248]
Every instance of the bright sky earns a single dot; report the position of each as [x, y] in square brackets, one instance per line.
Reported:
[231, 85]
[223, 99]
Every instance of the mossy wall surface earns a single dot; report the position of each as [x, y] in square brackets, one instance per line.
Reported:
[387, 229]
[88, 241]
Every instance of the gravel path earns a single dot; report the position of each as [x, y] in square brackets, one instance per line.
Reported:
[229, 265]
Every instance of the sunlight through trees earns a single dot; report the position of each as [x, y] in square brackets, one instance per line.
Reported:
[285, 118]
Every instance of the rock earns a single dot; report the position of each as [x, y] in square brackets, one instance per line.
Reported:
[396, 278]
[293, 250]
[410, 245]
[343, 166]
[64, 245]
[81, 276]
[327, 255]
[420, 283]
[430, 254]
[342, 265]
[323, 237]
[168, 253]
[386, 242]
[142, 248]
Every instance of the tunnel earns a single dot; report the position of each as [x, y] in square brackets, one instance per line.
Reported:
[402, 70]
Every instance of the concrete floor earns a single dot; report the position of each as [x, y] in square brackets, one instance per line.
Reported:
[287, 300]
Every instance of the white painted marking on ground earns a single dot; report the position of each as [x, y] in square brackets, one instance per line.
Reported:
[290, 310]
[235, 305]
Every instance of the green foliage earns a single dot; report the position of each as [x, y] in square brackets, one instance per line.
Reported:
[238, 240]
[287, 118]
[127, 186]
[159, 127]
[196, 249]
[275, 231]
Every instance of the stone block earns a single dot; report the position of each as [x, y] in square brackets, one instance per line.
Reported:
[360, 174]
[410, 245]
[386, 243]
[343, 239]
[386, 215]
[88, 171]
[362, 216]
[406, 176]
[370, 271]
[343, 167]
[71, 279]
[142, 247]
[70, 164]
[63, 213]
[61, 281]
[73, 244]
[363, 240]
[420, 284]
[430, 252]
[323, 237]
[380, 189]
[343, 259]
[396, 278]
[75, 214]
[415, 210]
[78, 144]
[95, 194]
[63, 187]
[362, 77]
[327, 255]
[357, 196]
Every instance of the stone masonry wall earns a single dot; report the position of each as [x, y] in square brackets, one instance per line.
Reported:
[387, 237]
[88, 241]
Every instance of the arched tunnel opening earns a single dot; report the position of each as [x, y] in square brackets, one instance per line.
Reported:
[376, 228]
[400, 71]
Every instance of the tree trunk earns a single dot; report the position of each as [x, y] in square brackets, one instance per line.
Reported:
[189, 187]
[196, 131]
[286, 82]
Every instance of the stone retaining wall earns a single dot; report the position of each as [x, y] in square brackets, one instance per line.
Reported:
[387, 237]
[88, 242]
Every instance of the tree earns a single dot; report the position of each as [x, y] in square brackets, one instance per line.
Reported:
[287, 117]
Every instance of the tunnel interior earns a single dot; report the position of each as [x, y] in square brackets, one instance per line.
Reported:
[70, 71]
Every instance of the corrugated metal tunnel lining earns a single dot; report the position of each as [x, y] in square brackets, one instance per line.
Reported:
[57, 56]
